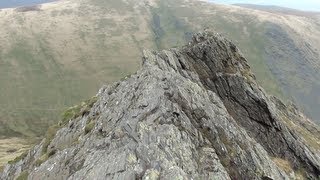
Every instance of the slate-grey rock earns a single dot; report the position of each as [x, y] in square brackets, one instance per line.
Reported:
[189, 113]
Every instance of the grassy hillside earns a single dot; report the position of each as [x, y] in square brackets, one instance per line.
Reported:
[56, 55]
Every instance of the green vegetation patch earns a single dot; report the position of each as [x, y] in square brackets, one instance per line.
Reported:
[77, 111]
[69, 114]
[89, 127]
[41, 160]
[17, 159]
[119, 5]
[45, 153]
[23, 175]
[52, 130]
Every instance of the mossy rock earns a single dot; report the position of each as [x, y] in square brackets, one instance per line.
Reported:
[89, 127]
[23, 175]
[41, 160]
[17, 159]
[52, 130]
[77, 111]
[71, 113]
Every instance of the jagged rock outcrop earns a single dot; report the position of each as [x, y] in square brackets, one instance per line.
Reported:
[189, 113]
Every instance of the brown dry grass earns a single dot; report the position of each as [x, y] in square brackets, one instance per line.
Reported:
[12, 148]
[283, 164]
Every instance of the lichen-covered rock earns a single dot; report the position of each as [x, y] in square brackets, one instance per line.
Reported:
[189, 113]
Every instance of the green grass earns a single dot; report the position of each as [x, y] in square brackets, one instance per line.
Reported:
[41, 160]
[69, 114]
[111, 4]
[78, 110]
[34, 89]
[23, 175]
[39, 95]
[35, 84]
[52, 130]
[17, 159]
[89, 127]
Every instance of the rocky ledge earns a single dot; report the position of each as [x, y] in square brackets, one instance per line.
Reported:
[189, 113]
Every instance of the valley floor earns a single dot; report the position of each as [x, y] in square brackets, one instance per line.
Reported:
[10, 148]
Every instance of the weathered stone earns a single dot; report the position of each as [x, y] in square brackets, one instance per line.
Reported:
[189, 113]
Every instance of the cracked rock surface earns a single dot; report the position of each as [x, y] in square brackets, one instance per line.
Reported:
[189, 113]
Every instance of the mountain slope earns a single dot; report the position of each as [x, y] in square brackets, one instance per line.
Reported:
[280, 10]
[194, 112]
[57, 54]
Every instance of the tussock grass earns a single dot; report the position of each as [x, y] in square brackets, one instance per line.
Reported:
[23, 175]
[78, 110]
[17, 159]
[7, 155]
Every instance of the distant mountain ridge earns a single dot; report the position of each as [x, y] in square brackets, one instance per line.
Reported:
[279, 9]
[21, 3]
[307, 6]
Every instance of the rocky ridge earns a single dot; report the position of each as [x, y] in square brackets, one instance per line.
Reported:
[189, 113]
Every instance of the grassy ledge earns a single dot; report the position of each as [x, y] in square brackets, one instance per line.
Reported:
[69, 114]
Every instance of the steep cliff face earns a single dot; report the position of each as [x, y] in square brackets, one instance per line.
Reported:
[189, 113]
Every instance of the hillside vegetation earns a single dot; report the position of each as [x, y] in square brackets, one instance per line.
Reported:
[58, 54]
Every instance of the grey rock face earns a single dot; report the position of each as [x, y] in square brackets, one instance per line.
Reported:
[189, 113]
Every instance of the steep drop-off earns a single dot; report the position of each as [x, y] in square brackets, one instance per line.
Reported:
[55, 55]
[189, 113]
